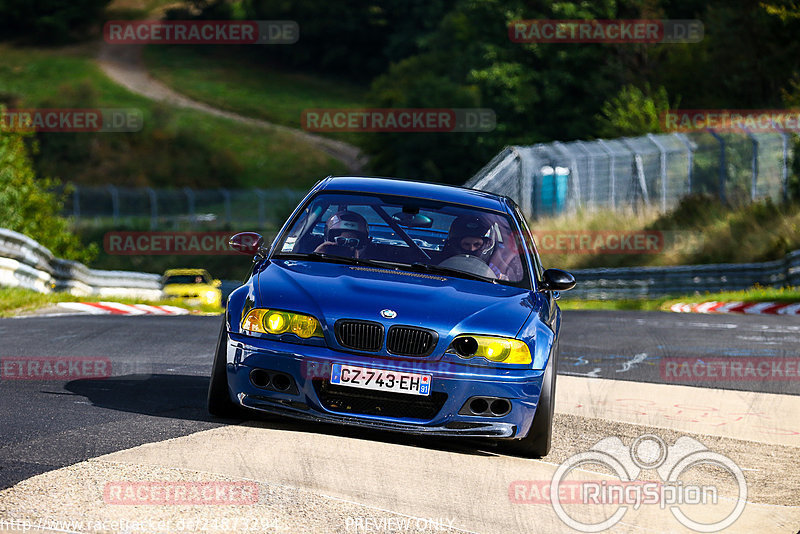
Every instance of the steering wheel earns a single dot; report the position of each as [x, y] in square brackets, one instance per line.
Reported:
[469, 264]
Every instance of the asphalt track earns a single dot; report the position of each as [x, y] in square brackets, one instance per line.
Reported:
[614, 383]
[637, 346]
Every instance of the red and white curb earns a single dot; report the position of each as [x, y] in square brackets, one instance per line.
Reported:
[758, 308]
[115, 308]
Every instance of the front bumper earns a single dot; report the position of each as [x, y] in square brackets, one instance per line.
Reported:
[308, 366]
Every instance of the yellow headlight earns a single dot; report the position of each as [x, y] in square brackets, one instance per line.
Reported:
[253, 320]
[277, 322]
[495, 349]
[304, 326]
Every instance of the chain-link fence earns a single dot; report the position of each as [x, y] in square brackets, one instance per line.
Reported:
[175, 208]
[653, 170]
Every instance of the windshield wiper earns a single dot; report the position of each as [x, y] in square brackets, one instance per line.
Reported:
[417, 266]
[332, 258]
[450, 271]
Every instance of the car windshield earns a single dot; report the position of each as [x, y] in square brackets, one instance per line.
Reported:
[186, 279]
[409, 233]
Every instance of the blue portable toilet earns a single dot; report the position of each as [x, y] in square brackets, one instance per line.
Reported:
[547, 191]
[553, 190]
[561, 179]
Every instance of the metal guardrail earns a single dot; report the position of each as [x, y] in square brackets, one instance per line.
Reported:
[26, 263]
[173, 208]
[646, 282]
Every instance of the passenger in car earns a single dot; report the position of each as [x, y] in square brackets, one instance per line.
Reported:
[506, 263]
[506, 259]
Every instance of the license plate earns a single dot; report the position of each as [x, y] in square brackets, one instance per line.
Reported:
[380, 379]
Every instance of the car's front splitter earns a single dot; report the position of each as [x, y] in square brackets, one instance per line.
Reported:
[304, 412]
[459, 383]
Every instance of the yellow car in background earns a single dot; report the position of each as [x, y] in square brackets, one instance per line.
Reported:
[194, 285]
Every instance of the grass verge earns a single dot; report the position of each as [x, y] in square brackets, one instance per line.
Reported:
[755, 294]
[699, 230]
[240, 81]
[175, 148]
[16, 301]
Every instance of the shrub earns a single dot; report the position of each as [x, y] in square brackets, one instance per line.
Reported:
[28, 205]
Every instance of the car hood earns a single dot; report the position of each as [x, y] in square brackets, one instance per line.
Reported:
[448, 305]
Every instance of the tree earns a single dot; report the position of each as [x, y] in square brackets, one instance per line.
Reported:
[633, 112]
[29, 206]
[440, 156]
[343, 39]
[50, 21]
[791, 99]
[539, 92]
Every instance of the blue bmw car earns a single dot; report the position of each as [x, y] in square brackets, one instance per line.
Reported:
[396, 305]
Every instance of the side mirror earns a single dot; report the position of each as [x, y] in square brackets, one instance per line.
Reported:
[247, 243]
[557, 280]
[216, 282]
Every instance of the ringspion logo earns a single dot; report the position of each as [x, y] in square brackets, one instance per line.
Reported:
[623, 490]
[637, 492]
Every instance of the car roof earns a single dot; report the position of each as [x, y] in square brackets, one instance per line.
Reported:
[410, 188]
[172, 272]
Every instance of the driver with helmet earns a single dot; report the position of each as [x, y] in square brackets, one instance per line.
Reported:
[469, 234]
[472, 235]
[346, 235]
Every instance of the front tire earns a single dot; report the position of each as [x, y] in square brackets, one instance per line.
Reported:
[219, 397]
[539, 439]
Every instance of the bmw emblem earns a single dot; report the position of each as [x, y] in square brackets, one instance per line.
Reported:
[388, 314]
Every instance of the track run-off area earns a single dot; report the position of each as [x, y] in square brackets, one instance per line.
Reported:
[132, 449]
